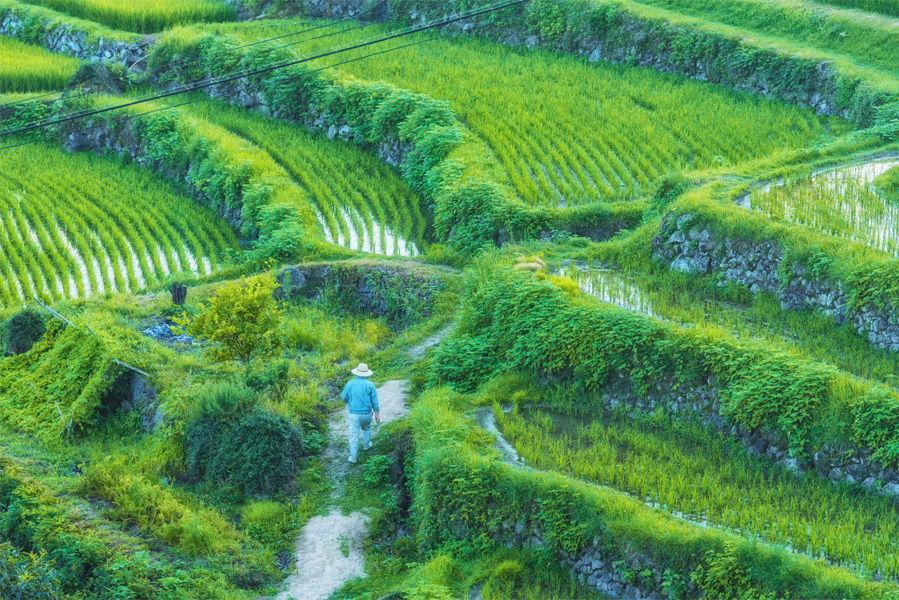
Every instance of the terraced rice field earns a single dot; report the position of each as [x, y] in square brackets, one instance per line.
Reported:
[710, 479]
[570, 132]
[675, 300]
[361, 203]
[142, 16]
[26, 68]
[74, 226]
[843, 202]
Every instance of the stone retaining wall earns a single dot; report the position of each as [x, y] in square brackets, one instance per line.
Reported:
[689, 247]
[63, 39]
[401, 292]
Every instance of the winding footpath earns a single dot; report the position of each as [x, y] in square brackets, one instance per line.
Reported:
[329, 552]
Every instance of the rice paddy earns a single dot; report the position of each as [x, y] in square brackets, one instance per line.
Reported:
[26, 68]
[360, 202]
[642, 124]
[844, 202]
[709, 478]
[143, 16]
[75, 226]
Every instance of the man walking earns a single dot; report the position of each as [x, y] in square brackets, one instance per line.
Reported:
[361, 398]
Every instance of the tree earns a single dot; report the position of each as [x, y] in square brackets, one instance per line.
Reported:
[242, 320]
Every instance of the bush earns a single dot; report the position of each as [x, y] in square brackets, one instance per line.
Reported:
[271, 375]
[26, 576]
[225, 400]
[24, 330]
[242, 320]
[260, 454]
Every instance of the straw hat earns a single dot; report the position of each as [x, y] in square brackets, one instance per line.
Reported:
[362, 371]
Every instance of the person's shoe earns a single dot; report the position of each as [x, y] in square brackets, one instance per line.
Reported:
[352, 460]
[367, 446]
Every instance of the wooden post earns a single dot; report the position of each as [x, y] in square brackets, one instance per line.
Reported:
[179, 294]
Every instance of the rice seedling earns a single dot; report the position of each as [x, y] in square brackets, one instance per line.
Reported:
[26, 68]
[535, 117]
[146, 16]
[361, 203]
[77, 226]
[709, 478]
[843, 203]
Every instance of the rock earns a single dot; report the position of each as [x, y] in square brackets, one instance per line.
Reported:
[531, 41]
[77, 142]
[890, 489]
[332, 132]
[164, 333]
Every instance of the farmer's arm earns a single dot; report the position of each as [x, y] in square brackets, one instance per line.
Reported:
[345, 394]
[374, 404]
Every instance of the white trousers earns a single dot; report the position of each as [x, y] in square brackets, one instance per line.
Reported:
[357, 423]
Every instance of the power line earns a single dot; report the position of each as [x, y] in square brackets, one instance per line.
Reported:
[255, 86]
[267, 69]
[206, 57]
[212, 80]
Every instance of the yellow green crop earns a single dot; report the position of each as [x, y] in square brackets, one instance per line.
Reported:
[142, 16]
[360, 202]
[25, 68]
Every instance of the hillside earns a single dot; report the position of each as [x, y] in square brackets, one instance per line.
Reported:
[625, 272]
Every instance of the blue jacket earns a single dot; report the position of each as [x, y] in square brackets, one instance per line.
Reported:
[361, 396]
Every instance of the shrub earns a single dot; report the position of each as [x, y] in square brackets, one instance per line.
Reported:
[225, 400]
[260, 454]
[271, 375]
[24, 330]
[242, 320]
[26, 576]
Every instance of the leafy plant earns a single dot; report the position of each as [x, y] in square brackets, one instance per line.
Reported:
[23, 330]
[26, 576]
[242, 320]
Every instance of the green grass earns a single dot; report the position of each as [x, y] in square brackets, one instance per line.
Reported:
[642, 124]
[361, 203]
[25, 68]
[75, 226]
[143, 16]
[708, 477]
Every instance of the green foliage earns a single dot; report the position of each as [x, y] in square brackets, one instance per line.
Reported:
[24, 330]
[225, 400]
[512, 321]
[37, 398]
[260, 453]
[157, 511]
[25, 576]
[267, 375]
[376, 470]
[242, 320]
[725, 577]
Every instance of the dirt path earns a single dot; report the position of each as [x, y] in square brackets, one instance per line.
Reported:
[329, 552]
